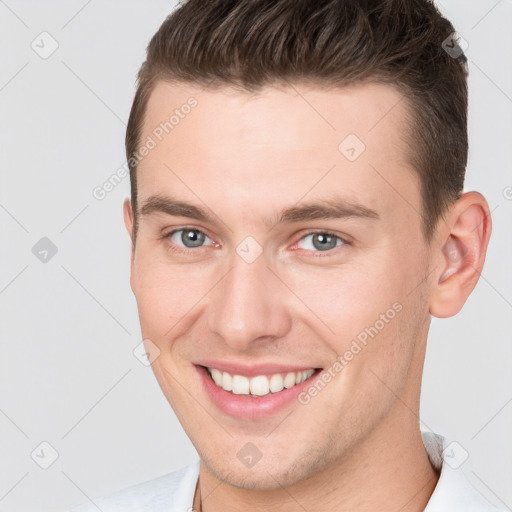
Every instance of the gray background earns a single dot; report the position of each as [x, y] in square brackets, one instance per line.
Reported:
[69, 325]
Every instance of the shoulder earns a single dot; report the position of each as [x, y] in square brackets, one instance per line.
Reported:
[173, 491]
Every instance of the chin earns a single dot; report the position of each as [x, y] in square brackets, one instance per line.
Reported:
[252, 479]
[265, 475]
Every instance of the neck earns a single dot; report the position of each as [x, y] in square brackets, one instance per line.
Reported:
[389, 470]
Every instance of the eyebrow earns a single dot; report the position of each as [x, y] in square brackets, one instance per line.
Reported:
[334, 208]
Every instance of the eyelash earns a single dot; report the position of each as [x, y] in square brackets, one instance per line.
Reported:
[176, 249]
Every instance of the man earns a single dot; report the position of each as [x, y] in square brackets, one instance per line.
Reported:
[297, 217]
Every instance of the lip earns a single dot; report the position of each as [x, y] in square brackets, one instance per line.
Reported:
[248, 407]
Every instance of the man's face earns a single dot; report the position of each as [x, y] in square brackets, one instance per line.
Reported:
[251, 294]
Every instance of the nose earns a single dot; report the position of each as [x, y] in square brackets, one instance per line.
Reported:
[249, 306]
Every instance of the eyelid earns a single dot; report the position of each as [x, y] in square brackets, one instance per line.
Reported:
[343, 237]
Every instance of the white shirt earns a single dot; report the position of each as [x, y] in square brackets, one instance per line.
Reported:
[174, 492]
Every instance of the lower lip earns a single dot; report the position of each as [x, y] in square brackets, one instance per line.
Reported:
[249, 407]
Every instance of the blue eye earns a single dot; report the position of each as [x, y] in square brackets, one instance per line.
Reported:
[190, 238]
[321, 241]
[185, 240]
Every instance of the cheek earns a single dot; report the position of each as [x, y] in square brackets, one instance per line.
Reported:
[167, 296]
[347, 299]
[362, 312]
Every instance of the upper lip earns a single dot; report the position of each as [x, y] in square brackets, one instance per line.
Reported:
[253, 370]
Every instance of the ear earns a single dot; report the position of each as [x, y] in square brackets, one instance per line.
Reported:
[128, 218]
[461, 250]
[128, 222]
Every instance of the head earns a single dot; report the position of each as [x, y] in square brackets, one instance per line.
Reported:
[296, 201]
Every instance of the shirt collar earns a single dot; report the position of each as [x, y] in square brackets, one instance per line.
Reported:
[453, 491]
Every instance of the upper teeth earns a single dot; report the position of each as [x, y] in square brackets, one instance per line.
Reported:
[260, 385]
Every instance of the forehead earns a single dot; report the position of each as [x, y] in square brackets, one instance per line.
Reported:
[306, 111]
[278, 145]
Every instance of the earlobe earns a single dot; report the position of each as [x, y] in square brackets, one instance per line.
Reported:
[461, 254]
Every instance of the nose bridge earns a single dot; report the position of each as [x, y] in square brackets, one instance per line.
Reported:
[248, 304]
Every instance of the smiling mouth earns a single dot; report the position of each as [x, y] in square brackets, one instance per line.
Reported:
[260, 385]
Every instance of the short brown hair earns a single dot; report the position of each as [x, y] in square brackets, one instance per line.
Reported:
[249, 44]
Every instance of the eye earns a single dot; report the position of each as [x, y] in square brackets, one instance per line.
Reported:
[185, 239]
[320, 241]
